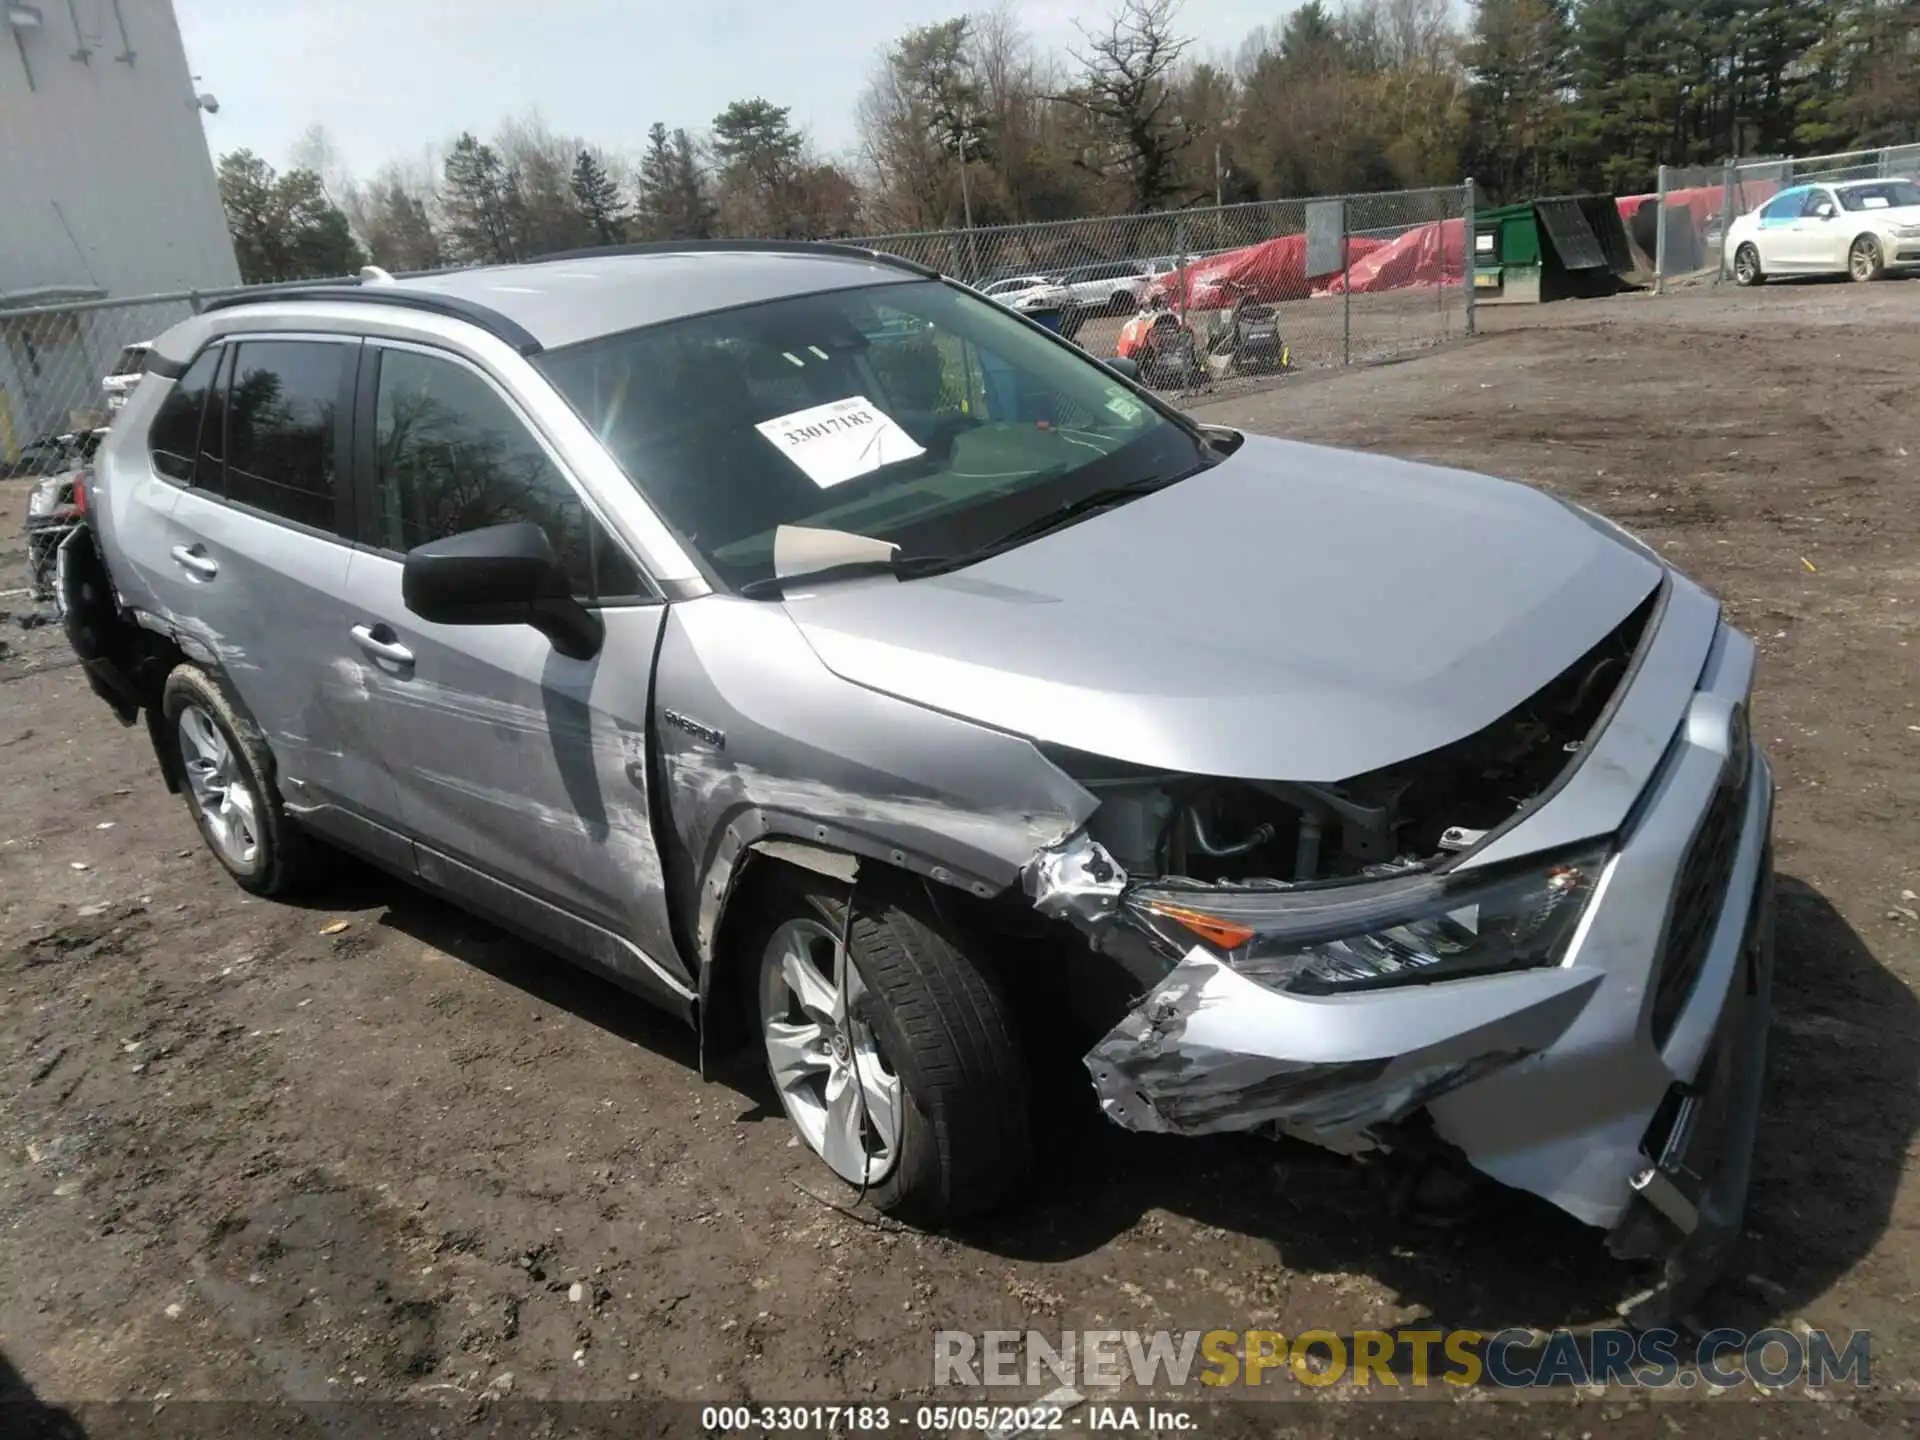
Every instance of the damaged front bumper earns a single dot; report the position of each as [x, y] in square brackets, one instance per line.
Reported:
[1621, 1084]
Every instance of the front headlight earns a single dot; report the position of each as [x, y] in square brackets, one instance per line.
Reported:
[1907, 232]
[1410, 930]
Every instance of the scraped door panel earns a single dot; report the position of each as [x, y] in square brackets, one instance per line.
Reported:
[521, 763]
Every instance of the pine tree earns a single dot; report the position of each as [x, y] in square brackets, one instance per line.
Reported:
[761, 157]
[673, 203]
[599, 200]
[479, 203]
[1516, 111]
[283, 226]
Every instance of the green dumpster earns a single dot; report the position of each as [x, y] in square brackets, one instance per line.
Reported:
[1550, 249]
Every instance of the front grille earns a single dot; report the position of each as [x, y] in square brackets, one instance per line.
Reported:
[1699, 896]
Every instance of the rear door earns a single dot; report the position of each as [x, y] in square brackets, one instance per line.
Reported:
[254, 573]
[1774, 234]
[522, 773]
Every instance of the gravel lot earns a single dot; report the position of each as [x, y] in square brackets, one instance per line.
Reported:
[366, 1147]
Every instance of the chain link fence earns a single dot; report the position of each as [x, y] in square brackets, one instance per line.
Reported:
[1685, 222]
[1206, 301]
[1219, 300]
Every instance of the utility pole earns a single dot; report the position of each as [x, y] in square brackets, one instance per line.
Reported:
[1219, 180]
[966, 211]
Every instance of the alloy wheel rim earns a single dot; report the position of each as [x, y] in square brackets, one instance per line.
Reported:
[221, 793]
[835, 1084]
[1743, 264]
[1863, 259]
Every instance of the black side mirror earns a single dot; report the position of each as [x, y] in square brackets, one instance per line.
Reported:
[1123, 366]
[502, 575]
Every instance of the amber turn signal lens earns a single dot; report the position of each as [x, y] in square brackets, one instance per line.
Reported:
[1210, 928]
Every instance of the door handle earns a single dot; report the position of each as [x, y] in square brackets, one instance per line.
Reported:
[369, 639]
[195, 560]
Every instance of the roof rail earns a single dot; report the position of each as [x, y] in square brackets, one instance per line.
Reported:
[767, 247]
[400, 296]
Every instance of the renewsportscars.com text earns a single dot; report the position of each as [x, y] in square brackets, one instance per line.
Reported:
[1510, 1359]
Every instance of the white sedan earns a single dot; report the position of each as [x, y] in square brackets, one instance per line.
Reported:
[1029, 292]
[1861, 228]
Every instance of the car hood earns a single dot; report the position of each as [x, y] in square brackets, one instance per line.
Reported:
[1292, 613]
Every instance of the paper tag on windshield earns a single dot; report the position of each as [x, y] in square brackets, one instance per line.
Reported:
[1124, 405]
[840, 441]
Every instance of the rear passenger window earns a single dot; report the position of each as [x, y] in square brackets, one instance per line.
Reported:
[451, 456]
[282, 408]
[175, 434]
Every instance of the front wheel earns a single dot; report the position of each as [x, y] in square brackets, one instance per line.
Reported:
[1746, 266]
[895, 1056]
[1864, 259]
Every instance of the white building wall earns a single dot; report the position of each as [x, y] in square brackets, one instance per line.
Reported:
[106, 183]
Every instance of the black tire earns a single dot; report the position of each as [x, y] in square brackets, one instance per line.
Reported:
[1124, 302]
[1865, 259]
[1746, 266]
[945, 1029]
[280, 857]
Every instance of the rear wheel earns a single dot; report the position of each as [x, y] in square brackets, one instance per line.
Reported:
[1746, 266]
[229, 786]
[1864, 260]
[897, 1062]
[1124, 302]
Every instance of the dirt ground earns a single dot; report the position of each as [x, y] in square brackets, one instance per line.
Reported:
[250, 1154]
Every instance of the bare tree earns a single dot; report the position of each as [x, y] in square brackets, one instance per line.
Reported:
[1126, 94]
[395, 214]
[315, 151]
[539, 186]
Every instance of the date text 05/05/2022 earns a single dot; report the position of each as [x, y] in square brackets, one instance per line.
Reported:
[1043, 1415]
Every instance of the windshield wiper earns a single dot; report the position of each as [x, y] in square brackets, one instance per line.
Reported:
[1103, 499]
[904, 566]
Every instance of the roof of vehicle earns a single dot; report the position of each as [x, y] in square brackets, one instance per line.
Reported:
[1881, 180]
[563, 299]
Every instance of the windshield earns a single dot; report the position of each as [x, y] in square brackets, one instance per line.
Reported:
[1882, 195]
[914, 413]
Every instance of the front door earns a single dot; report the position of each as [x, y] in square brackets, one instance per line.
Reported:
[522, 773]
[1813, 241]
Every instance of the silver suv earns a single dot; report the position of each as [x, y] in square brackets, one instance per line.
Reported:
[841, 661]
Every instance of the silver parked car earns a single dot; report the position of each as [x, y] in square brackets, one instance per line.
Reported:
[833, 657]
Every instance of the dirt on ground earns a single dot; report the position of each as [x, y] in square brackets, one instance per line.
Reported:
[366, 1147]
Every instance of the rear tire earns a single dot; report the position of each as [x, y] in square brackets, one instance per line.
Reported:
[1124, 302]
[1746, 266]
[1865, 261]
[926, 1034]
[227, 779]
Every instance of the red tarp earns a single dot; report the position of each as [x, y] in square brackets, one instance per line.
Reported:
[1429, 255]
[1276, 269]
[1700, 201]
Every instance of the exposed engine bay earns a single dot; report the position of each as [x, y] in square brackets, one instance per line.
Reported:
[1402, 817]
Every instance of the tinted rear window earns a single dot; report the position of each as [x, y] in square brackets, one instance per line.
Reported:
[175, 435]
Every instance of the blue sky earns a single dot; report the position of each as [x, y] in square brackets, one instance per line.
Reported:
[390, 77]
